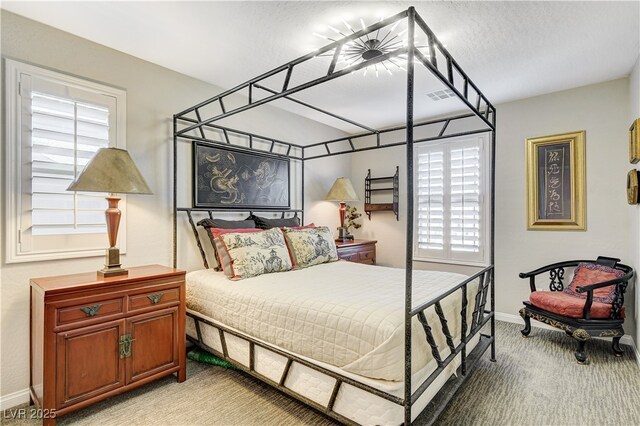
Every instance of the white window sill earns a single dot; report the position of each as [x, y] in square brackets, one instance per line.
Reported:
[481, 264]
[58, 255]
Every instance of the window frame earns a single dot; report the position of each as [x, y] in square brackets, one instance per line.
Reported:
[15, 155]
[421, 255]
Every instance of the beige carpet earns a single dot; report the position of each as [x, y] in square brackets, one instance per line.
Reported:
[536, 381]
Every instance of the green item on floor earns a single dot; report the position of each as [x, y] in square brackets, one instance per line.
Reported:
[203, 356]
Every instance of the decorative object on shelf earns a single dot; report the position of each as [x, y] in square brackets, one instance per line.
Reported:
[556, 182]
[632, 186]
[235, 179]
[352, 214]
[342, 190]
[111, 170]
[370, 186]
[634, 141]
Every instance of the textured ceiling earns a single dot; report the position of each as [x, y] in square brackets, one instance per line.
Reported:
[511, 50]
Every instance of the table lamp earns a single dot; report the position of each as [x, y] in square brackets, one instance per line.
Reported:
[342, 190]
[111, 170]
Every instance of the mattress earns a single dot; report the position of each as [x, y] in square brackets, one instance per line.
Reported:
[343, 314]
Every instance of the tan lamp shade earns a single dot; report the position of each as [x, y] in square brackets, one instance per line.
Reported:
[111, 170]
[342, 190]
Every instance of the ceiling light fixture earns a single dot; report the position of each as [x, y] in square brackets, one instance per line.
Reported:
[369, 46]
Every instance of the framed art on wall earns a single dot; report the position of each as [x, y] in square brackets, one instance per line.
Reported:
[231, 178]
[634, 141]
[632, 186]
[556, 182]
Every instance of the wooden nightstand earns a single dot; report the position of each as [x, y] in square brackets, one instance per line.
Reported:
[93, 338]
[360, 251]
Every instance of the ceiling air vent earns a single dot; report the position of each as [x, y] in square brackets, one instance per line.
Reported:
[438, 95]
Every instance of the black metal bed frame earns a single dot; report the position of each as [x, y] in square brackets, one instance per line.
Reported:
[189, 125]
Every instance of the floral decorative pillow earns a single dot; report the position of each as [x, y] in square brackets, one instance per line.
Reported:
[255, 253]
[310, 246]
[590, 273]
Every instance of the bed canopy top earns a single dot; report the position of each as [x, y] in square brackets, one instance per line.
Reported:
[191, 124]
[200, 123]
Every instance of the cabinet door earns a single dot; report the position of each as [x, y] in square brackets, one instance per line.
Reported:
[88, 362]
[155, 343]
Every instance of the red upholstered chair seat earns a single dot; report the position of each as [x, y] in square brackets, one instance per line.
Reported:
[567, 305]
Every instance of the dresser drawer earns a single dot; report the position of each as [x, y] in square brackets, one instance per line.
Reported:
[89, 310]
[357, 251]
[367, 256]
[349, 256]
[154, 298]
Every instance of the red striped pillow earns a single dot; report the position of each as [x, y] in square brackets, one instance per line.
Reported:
[297, 228]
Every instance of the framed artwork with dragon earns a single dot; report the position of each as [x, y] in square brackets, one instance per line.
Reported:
[231, 178]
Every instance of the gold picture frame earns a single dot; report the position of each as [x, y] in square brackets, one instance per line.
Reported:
[556, 197]
[634, 142]
[632, 187]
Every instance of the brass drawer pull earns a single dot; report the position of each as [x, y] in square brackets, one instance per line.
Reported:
[125, 345]
[155, 298]
[91, 310]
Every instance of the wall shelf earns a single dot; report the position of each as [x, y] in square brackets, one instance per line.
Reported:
[369, 187]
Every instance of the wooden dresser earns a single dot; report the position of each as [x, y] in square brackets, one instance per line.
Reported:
[360, 251]
[93, 338]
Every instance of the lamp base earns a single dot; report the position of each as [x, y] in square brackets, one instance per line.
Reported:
[343, 235]
[112, 267]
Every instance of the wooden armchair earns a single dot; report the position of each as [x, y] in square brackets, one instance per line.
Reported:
[592, 304]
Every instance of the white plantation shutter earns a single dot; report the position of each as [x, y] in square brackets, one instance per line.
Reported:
[465, 201]
[56, 125]
[65, 136]
[451, 188]
[430, 188]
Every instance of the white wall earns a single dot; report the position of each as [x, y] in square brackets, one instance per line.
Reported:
[154, 94]
[634, 211]
[601, 110]
[320, 175]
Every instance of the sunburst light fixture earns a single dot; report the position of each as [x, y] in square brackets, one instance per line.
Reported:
[370, 46]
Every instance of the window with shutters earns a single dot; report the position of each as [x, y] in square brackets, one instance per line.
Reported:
[451, 212]
[55, 124]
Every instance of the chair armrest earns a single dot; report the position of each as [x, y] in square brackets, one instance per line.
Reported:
[547, 268]
[556, 277]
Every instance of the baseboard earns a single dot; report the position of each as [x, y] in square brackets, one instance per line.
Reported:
[517, 319]
[14, 399]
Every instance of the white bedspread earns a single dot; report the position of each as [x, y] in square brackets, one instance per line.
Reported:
[345, 314]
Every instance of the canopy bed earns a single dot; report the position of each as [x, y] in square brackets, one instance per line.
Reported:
[357, 376]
